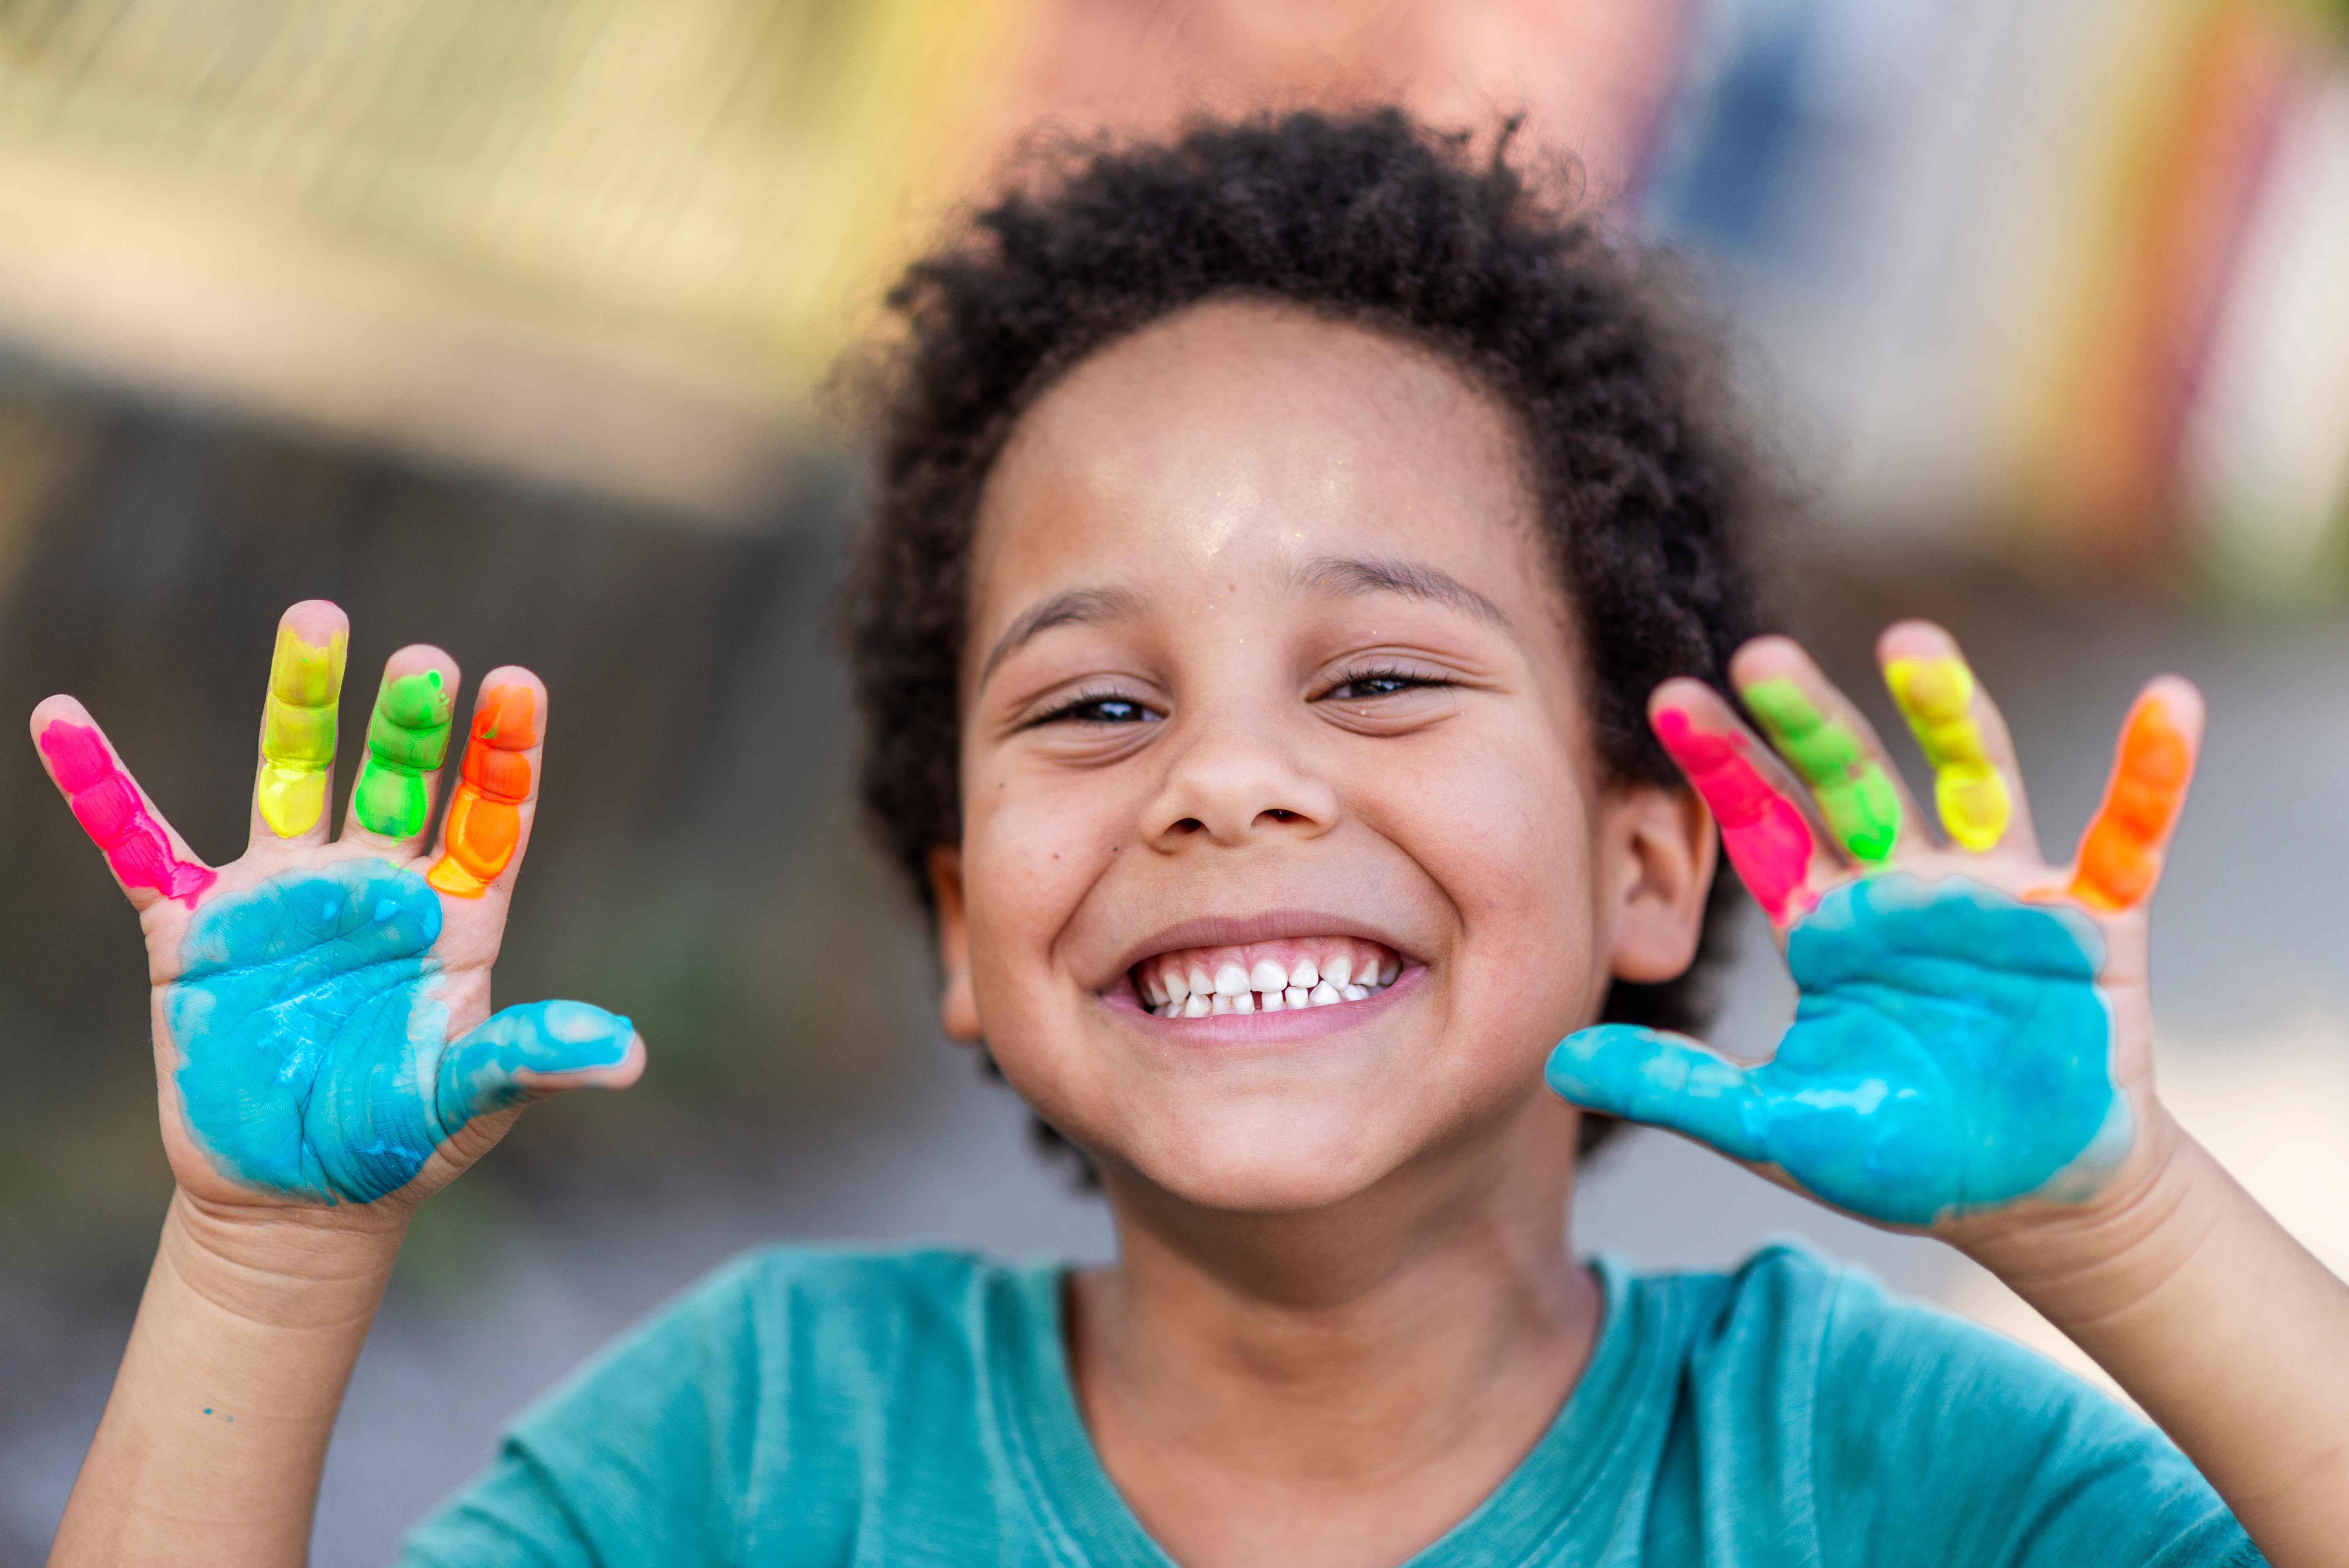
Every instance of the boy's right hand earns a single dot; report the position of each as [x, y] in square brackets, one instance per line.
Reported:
[319, 1006]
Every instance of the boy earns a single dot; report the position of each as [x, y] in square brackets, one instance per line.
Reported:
[1291, 546]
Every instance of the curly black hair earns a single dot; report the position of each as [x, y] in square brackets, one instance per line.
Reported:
[1645, 482]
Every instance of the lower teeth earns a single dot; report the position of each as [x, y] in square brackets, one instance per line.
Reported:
[1321, 996]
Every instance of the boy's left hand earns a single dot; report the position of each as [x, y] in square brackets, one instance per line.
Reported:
[1974, 1036]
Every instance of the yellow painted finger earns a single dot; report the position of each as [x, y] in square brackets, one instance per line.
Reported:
[1936, 695]
[297, 730]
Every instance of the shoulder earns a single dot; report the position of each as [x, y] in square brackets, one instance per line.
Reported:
[774, 1395]
[1853, 1397]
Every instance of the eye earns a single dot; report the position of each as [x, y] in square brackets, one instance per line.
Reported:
[1099, 707]
[1366, 684]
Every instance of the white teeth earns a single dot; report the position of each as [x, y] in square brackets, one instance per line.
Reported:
[1174, 988]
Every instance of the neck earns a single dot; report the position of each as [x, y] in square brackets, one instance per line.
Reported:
[1418, 1338]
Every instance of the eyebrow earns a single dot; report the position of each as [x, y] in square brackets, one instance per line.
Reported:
[1349, 577]
[1076, 607]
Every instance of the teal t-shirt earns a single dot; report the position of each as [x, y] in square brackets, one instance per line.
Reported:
[808, 1406]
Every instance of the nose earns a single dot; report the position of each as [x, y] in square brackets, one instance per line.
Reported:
[1231, 787]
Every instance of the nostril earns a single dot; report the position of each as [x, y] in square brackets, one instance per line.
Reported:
[1279, 814]
[1190, 825]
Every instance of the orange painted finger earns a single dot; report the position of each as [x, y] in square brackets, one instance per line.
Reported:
[485, 814]
[2121, 854]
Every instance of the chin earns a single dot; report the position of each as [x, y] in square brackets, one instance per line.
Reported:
[1263, 1159]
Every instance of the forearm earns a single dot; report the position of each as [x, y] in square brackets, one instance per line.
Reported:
[2225, 1330]
[212, 1441]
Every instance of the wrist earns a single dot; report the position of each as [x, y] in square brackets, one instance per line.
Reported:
[2081, 1264]
[279, 1266]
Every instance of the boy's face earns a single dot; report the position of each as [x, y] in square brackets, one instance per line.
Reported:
[1267, 672]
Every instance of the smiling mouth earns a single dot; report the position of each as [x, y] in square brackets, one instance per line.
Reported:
[1263, 977]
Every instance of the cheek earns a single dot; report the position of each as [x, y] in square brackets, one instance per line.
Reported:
[1028, 856]
[1508, 838]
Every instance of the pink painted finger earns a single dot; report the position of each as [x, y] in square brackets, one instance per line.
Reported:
[108, 803]
[1765, 836]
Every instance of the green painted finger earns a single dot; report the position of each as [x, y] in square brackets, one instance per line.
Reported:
[407, 737]
[1857, 800]
[297, 731]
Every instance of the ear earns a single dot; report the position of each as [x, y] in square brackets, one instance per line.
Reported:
[1662, 871]
[959, 1008]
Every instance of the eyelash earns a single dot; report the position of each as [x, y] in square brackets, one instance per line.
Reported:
[1073, 711]
[1404, 681]
[1069, 712]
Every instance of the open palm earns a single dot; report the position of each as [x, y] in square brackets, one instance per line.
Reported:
[318, 1006]
[1972, 1030]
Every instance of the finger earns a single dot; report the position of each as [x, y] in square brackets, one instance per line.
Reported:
[297, 723]
[2120, 855]
[497, 786]
[150, 861]
[1766, 835]
[1814, 727]
[407, 741]
[1976, 786]
[525, 1053]
[1661, 1080]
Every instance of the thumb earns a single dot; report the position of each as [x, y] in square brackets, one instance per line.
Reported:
[1665, 1080]
[531, 1050]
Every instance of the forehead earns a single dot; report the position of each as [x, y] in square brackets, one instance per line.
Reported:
[1237, 439]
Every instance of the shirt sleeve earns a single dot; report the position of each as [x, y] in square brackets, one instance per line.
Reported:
[1937, 1442]
[639, 1457]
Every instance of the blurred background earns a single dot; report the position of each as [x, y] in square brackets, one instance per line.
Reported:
[507, 326]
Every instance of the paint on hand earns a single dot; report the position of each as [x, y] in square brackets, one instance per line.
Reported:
[108, 807]
[314, 1060]
[1860, 805]
[408, 738]
[1762, 832]
[485, 816]
[297, 732]
[2121, 854]
[1950, 1052]
[1936, 696]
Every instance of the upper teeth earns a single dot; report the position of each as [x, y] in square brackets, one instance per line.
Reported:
[1265, 977]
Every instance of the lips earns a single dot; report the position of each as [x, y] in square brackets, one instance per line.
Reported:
[1263, 977]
